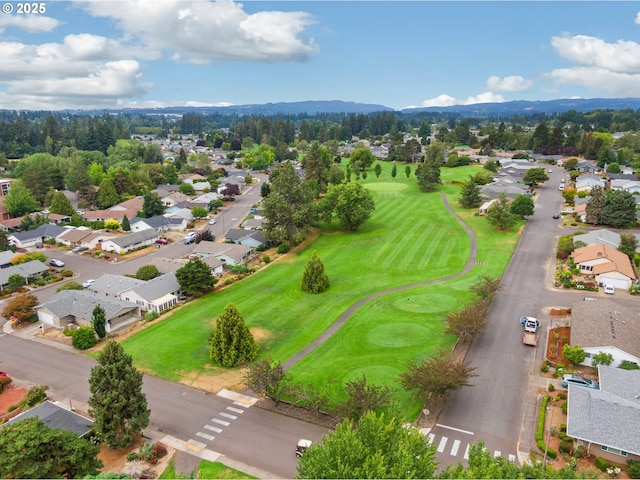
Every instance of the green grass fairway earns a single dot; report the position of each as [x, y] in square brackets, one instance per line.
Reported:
[410, 239]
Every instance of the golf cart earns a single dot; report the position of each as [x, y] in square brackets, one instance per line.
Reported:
[302, 446]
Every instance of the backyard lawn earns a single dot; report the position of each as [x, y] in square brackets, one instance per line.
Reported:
[410, 239]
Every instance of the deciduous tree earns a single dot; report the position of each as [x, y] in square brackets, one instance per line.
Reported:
[575, 354]
[199, 212]
[351, 203]
[19, 200]
[20, 307]
[268, 378]
[469, 321]
[147, 272]
[361, 157]
[377, 446]
[534, 176]
[30, 449]
[117, 402]
[195, 277]
[437, 375]
[499, 214]
[232, 342]
[628, 245]
[522, 206]
[314, 279]
[152, 205]
[363, 397]
[486, 287]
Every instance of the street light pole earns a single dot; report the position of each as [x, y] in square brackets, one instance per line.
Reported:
[546, 447]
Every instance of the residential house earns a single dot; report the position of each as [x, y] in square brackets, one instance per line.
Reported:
[32, 237]
[484, 208]
[155, 295]
[495, 189]
[584, 183]
[128, 208]
[5, 186]
[180, 213]
[587, 166]
[173, 198]
[608, 265]
[250, 238]
[601, 235]
[602, 325]
[215, 264]
[84, 237]
[167, 265]
[605, 421]
[54, 415]
[253, 223]
[166, 189]
[131, 241]
[69, 307]
[6, 257]
[30, 271]
[207, 198]
[111, 285]
[229, 253]
[4, 213]
[159, 223]
[631, 186]
[192, 178]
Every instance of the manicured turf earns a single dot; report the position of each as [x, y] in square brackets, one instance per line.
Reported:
[410, 239]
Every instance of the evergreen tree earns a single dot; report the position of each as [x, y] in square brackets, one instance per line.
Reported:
[99, 321]
[60, 204]
[107, 194]
[117, 402]
[595, 205]
[126, 226]
[394, 171]
[316, 166]
[195, 277]
[499, 215]
[377, 170]
[628, 245]
[314, 280]
[30, 449]
[232, 342]
[407, 171]
[470, 195]
[619, 210]
[152, 205]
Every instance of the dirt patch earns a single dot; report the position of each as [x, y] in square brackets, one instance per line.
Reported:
[56, 336]
[11, 395]
[558, 338]
[259, 333]
[290, 410]
[114, 461]
[215, 381]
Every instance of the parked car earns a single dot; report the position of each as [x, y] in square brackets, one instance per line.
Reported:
[212, 221]
[561, 187]
[550, 171]
[190, 238]
[162, 241]
[79, 249]
[302, 447]
[609, 289]
[573, 379]
[556, 216]
[56, 263]
[530, 324]
[88, 283]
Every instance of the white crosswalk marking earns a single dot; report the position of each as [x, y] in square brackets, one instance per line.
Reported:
[213, 429]
[205, 435]
[235, 410]
[431, 437]
[227, 415]
[221, 422]
[456, 446]
[466, 452]
[442, 444]
[497, 453]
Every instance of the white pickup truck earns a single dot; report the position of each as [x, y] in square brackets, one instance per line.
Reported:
[531, 325]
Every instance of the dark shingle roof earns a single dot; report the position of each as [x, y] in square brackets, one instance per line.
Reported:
[55, 416]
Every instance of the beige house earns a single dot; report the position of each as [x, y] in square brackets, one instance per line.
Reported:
[608, 265]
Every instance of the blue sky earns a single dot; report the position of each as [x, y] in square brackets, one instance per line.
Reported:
[146, 53]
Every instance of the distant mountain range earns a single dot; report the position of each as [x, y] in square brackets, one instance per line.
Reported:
[311, 107]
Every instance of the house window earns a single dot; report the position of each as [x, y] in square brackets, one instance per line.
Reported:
[587, 355]
[615, 451]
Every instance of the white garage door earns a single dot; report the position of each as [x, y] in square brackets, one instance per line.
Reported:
[616, 282]
[45, 317]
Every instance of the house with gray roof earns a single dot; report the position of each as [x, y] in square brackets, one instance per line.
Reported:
[589, 166]
[159, 223]
[6, 257]
[155, 295]
[215, 264]
[131, 241]
[69, 307]
[56, 416]
[30, 271]
[584, 183]
[601, 235]
[112, 285]
[229, 253]
[31, 237]
[495, 189]
[602, 325]
[250, 238]
[605, 421]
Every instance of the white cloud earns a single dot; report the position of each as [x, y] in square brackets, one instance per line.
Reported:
[615, 83]
[638, 18]
[203, 32]
[622, 56]
[28, 23]
[512, 83]
[447, 100]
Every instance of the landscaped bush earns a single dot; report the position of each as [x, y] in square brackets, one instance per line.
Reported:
[601, 464]
[565, 447]
[66, 273]
[266, 258]
[283, 248]
[551, 453]
[151, 316]
[83, 338]
[35, 395]
[5, 380]
[552, 387]
[634, 468]
[564, 407]
[544, 368]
